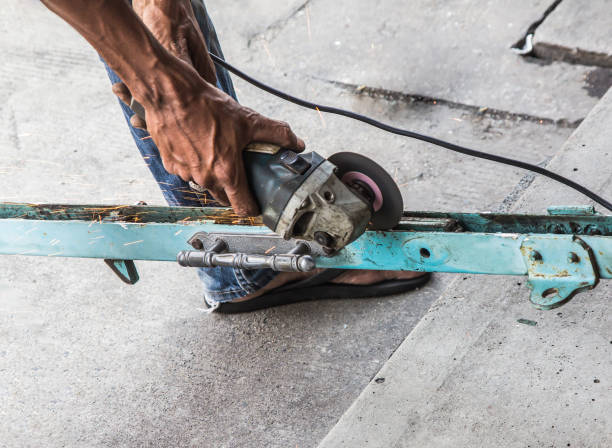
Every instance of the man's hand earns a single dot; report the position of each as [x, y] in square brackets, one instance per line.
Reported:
[200, 131]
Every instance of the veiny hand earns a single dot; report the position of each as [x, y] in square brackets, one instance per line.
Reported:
[200, 131]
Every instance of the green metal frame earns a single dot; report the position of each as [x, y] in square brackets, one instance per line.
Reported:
[563, 253]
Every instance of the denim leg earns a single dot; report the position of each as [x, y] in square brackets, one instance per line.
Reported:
[220, 284]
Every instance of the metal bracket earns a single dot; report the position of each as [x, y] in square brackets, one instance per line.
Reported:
[298, 259]
[262, 243]
[556, 274]
[125, 270]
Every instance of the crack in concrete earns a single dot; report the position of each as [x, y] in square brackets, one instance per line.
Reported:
[552, 52]
[517, 192]
[391, 95]
[578, 56]
[278, 25]
[523, 41]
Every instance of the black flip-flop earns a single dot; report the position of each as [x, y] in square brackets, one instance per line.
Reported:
[320, 287]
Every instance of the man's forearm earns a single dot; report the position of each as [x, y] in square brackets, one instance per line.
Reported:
[200, 131]
[122, 39]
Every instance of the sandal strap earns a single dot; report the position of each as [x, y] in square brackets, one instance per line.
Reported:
[323, 277]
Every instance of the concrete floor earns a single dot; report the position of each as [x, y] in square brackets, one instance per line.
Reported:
[470, 375]
[87, 361]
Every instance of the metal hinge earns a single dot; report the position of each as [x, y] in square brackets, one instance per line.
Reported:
[555, 273]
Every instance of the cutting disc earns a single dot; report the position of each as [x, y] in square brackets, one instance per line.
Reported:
[374, 183]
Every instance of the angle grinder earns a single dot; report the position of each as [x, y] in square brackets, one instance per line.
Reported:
[330, 201]
[307, 197]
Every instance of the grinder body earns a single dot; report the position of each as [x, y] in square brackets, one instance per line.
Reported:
[301, 197]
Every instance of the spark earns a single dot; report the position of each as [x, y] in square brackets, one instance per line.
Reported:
[178, 233]
[321, 117]
[457, 119]
[134, 242]
[98, 237]
[148, 137]
[265, 45]
[54, 242]
[55, 254]
[270, 250]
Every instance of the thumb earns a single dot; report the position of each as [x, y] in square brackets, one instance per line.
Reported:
[277, 132]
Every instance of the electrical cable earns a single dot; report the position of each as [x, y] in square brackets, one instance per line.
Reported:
[406, 133]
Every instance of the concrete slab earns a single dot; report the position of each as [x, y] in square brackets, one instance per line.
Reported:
[470, 375]
[457, 51]
[89, 361]
[577, 34]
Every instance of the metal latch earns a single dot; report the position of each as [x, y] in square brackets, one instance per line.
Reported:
[555, 273]
[216, 253]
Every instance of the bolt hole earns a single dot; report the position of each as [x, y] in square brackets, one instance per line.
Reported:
[329, 196]
[549, 292]
[425, 253]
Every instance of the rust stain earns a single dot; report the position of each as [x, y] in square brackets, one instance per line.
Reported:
[133, 214]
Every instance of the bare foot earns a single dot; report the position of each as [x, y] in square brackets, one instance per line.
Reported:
[350, 277]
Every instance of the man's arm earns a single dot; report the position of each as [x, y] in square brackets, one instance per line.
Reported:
[199, 130]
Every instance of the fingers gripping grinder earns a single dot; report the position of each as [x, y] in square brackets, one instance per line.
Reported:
[330, 201]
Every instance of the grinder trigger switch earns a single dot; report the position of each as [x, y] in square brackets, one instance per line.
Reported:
[294, 163]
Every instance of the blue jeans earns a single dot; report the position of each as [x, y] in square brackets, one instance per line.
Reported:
[220, 284]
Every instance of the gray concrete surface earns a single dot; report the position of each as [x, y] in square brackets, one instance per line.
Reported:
[87, 361]
[457, 51]
[577, 34]
[470, 375]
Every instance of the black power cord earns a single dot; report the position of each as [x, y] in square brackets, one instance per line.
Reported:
[406, 133]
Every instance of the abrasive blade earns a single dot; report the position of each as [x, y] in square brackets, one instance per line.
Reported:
[361, 173]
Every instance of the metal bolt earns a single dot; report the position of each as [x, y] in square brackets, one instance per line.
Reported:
[197, 244]
[329, 197]
[536, 256]
[324, 239]
[573, 258]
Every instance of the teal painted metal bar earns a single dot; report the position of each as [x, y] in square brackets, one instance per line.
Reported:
[562, 253]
